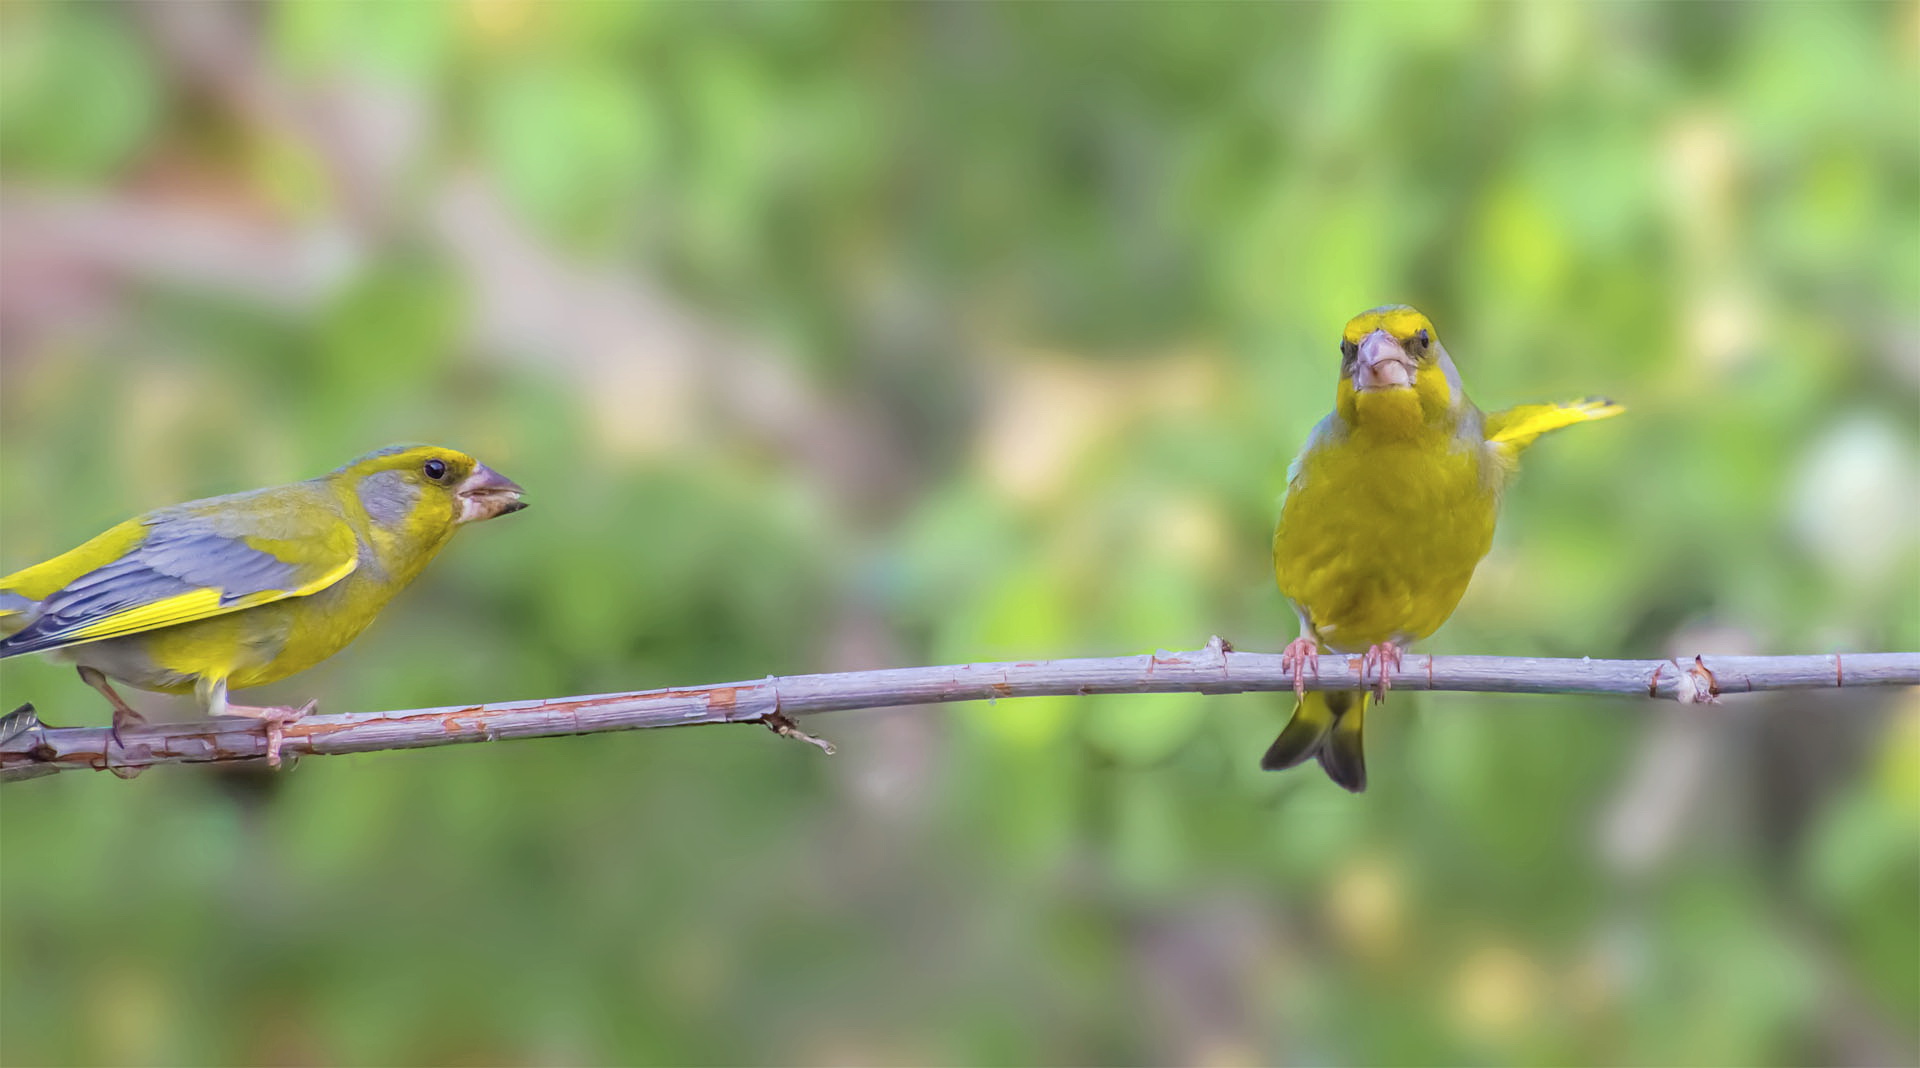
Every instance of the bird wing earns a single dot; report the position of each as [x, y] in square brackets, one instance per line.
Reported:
[184, 564]
[1516, 428]
[1322, 433]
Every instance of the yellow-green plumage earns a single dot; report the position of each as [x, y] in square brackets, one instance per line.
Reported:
[1389, 508]
[1381, 531]
[247, 589]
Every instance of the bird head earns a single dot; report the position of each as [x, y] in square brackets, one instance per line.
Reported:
[427, 489]
[1394, 373]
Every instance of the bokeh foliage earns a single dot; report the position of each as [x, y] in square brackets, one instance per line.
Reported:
[848, 336]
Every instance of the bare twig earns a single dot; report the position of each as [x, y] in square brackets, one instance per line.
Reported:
[39, 750]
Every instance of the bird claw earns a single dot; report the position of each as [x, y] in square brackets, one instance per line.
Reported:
[1378, 656]
[124, 716]
[275, 719]
[1299, 654]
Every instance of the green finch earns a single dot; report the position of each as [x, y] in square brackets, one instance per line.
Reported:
[247, 589]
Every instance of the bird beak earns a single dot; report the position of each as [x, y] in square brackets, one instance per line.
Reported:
[1383, 363]
[487, 493]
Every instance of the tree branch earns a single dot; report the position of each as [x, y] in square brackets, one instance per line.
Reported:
[29, 748]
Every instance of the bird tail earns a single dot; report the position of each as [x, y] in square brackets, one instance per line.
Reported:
[1517, 427]
[1326, 724]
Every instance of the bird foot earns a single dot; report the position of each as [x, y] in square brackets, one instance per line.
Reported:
[123, 717]
[124, 714]
[275, 718]
[1378, 657]
[1299, 654]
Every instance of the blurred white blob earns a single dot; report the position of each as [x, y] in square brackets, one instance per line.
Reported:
[1644, 825]
[1856, 499]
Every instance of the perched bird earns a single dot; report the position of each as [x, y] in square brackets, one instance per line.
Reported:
[1389, 507]
[246, 589]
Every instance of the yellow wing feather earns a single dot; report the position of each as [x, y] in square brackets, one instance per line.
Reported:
[42, 579]
[1517, 427]
[197, 605]
[315, 565]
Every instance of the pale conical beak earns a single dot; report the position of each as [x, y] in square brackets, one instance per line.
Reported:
[487, 493]
[1383, 363]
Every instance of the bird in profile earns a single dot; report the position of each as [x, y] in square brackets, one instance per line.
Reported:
[1389, 507]
[247, 589]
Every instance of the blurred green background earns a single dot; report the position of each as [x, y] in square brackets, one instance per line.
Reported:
[838, 337]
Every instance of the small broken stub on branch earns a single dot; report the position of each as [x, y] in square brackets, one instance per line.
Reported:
[780, 724]
[18, 722]
[1697, 685]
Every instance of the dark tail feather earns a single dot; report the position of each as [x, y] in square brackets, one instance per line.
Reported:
[1325, 724]
[1342, 755]
[1313, 719]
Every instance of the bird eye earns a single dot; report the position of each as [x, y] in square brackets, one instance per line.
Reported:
[435, 469]
[1419, 340]
[1349, 349]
